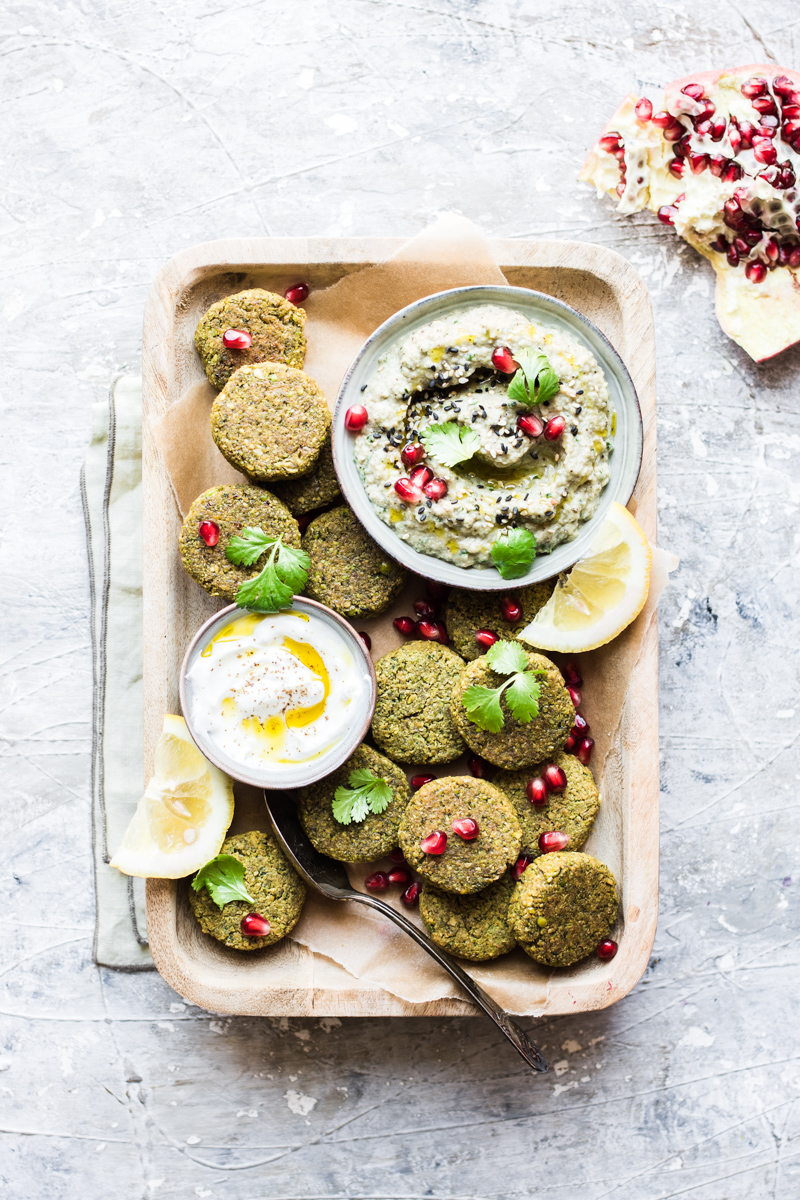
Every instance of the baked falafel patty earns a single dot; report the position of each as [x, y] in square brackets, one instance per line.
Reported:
[572, 811]
[348, 571]
[467, 612]
[564, 904]
[274, 324]
[412, 721]
[474, 927]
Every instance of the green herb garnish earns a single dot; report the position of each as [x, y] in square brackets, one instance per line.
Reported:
[451, 443]
[223, 876]
[513, 552]
[367, 793]
[535, 381]
[521, 689]
[284, 573]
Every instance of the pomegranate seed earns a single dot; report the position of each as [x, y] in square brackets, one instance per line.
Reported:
[742, 246]
[707, 109]
[571, 742]
[554, 429]
[756, 272]
[477, 767]
[674, 132]
[378, 882]
[418, 781]
[503, 360]
[698, 163]
[791, 130]
[606, 949]
[734, 137]
[530, 424]
[520, 866]
[765, 105]
[434, 843]
[511, 609]
[254, 925]
[719, 244]
[296, 294]
[703, 129]
[581, 725]
[412, 454]
[572, 676]
[748, 131]
[643, 110]
[486, 638]
[788, 178]
[768, 125]
[682, 146]
[794, 257]
[555, 778]
[433, 631]
[356, 418]
[553, 840]
[791, 112]
[575, 696]
[667, 213]
[782, 85]
[764, 151]
[405, 626]
[466, 828]
[608, 142]
[695, 90]
[424, 608]
[397, 855]
[237, 339]
[400, 875]
[366, 639]
[771, 249]
[663, 119]
[752, 236]
[620, 189]
[717, 164]
[732, 255]
[783, 255]
[420, 476]
[584, 751]
[209, 532]
[732, 172]
[754, 87]
[718, 128]
[411, 895]
[439, 591]
[436, 489]
[676, 167]
[537, 790]
[407, 491]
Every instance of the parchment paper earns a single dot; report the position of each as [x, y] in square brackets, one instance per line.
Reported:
[451, 253]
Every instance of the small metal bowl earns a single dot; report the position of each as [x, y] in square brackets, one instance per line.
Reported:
[276, 776]
[624, 463]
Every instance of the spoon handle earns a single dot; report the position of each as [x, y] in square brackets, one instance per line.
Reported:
[519, 1040]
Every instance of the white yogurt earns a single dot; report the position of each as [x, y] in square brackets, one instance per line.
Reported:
[277, 691]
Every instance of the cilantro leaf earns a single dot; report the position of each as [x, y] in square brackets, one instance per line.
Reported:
[521, 690]
[367, 793]
[535, 381]
[507, 658]
[451, 443]
[513, 552]
[284, 573]
[482, 705]
[223, 876]
[522, 697]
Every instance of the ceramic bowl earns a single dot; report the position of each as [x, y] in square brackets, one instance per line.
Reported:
[277, 776]
[624, 463]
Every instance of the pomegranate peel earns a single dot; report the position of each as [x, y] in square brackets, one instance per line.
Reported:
[730, 141]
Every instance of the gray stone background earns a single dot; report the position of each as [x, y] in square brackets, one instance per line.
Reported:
[132, 129]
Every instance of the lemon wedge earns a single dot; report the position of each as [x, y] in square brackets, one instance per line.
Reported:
[183, 816]
[602, 593]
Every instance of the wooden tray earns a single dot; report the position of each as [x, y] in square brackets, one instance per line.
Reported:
[289, 979]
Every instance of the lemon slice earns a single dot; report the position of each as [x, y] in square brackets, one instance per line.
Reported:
[183, 816]
[602, 593]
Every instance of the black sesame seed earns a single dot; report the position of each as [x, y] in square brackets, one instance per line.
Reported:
[504, 448]
[518, 444]
[578, 410]
[429, 503]
[515, 511]
[579, 392]
[574, 430]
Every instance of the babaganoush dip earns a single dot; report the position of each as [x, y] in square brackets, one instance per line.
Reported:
[274, 691]
[535, 459]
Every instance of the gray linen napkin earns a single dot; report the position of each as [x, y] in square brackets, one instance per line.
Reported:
[111, 489]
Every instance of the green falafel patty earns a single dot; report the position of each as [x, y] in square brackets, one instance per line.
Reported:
[564, 904]
[465, 866]
[278, 893]
[412, 721]
[318, 489]
[270, 421]
[349, 572]
[474, 927]
[517, 744]
[364, 841]
[275, 325]
[467, 612]
[572, 811]
[231, 507]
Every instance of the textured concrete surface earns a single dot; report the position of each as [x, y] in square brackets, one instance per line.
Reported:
[132, 129]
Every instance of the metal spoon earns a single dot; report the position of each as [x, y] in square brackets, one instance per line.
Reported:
[330, 878]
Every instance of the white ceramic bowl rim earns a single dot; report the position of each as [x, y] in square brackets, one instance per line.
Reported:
[271, 778]
[625, 460]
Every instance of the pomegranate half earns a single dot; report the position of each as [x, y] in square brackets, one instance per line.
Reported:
[719, 160]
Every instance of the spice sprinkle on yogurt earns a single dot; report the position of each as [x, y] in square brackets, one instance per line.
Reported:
[519, 476]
